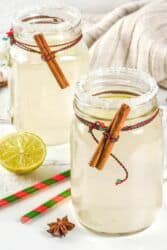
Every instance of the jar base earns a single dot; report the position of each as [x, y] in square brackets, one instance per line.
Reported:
[130, 227]
[107, 234]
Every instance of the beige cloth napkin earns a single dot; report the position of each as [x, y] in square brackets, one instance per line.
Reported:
[133, 35]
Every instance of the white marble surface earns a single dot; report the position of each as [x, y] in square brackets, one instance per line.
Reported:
[16, 236]
[10, 182]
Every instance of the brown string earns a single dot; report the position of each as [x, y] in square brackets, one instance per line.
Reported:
[63, 46]
[97, 124]
[44, 49]
[102, 127]
[33, 48]
[109, 137]
[49, 56]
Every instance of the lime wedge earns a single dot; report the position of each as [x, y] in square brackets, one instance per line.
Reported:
[22, 152]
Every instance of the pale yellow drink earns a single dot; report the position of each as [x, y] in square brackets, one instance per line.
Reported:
[39, 105]
[100, 204]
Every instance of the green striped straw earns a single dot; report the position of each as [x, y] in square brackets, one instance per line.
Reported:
[33, 189]
[30, 216]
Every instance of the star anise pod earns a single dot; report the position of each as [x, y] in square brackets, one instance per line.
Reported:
[60, 227]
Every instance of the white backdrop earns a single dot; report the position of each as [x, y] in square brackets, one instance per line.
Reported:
[7, 8]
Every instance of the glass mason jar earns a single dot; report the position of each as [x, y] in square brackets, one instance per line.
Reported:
[126, 194]
[38, 104]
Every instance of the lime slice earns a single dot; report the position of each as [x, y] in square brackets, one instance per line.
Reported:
[22, 152]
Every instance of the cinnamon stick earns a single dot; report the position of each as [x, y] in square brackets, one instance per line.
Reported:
[106, 144]
[49, 57]
[3, 81]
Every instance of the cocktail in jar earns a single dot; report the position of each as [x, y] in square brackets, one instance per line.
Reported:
[38, 104]
[126, 194]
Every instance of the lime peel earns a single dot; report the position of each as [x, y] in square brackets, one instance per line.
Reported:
[22, 152]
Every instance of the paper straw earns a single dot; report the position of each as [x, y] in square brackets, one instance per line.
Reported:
[25, 193]
[30, 216]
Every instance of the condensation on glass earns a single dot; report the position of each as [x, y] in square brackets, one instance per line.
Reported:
[38, 103]
[100, 204]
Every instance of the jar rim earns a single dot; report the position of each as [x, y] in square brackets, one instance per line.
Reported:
[84, 96]
[74, 18]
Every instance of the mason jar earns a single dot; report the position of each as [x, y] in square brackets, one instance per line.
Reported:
[38, 104]
[126, 194]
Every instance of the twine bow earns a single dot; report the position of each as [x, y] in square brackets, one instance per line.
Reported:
[98, 125]
[101, 127]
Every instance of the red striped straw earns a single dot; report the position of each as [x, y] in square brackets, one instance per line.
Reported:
[30, 216]
[25, 193]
